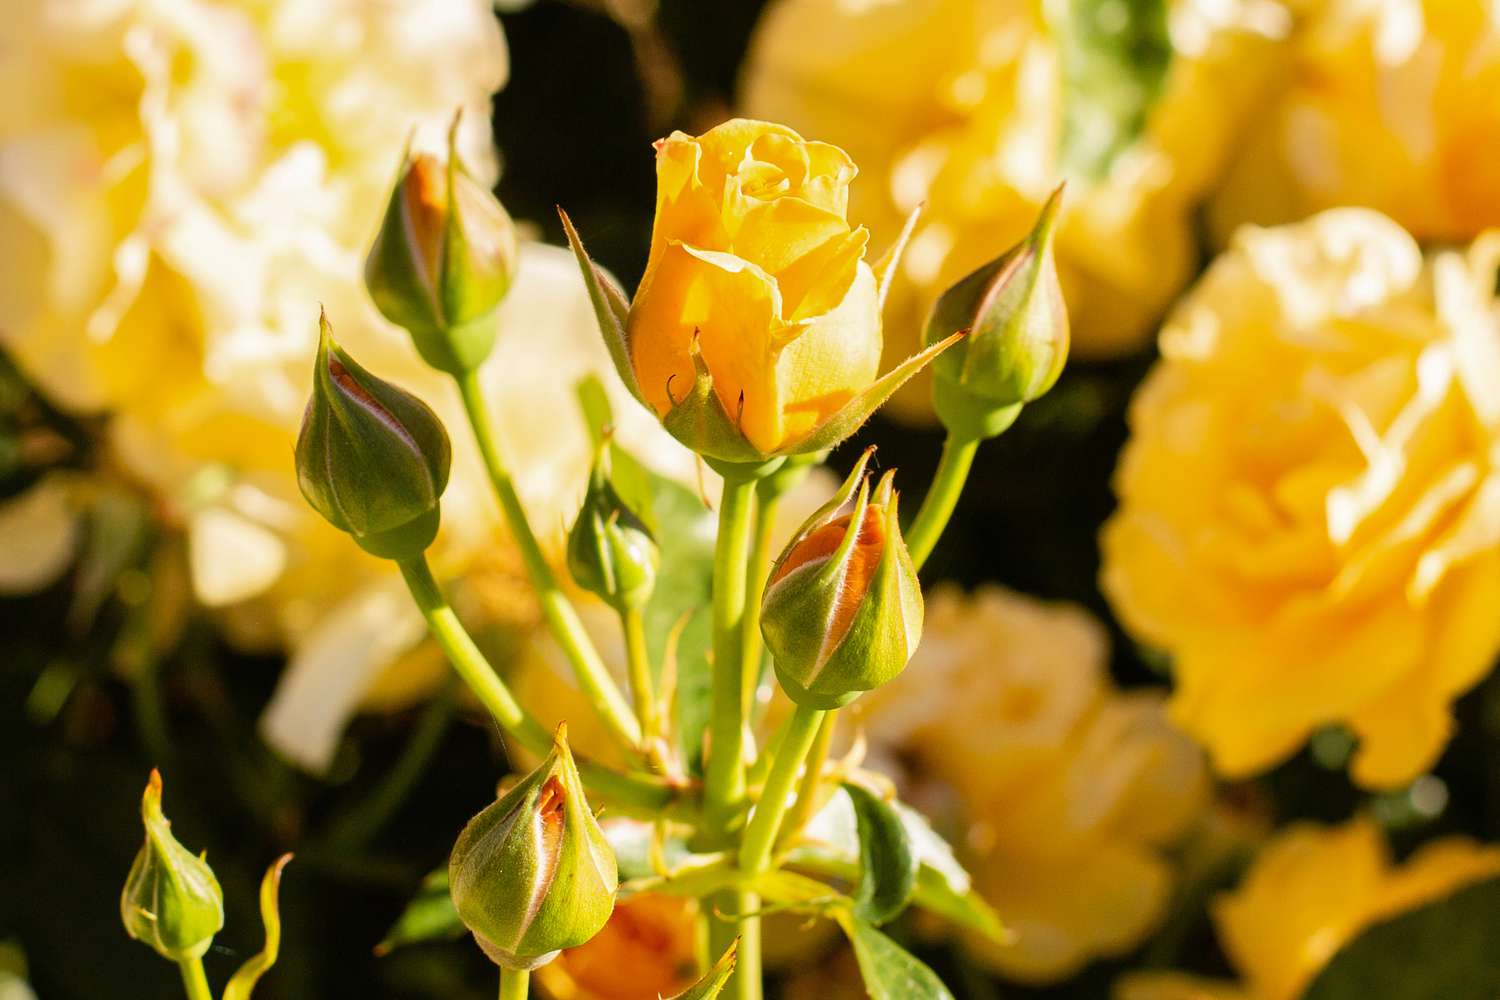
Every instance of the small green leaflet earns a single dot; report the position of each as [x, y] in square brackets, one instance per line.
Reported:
[890, 972]
[1444, 949]
[887, 863]
[1115, 58]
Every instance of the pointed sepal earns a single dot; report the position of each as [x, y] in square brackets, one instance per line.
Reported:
[714, 981]
[243, 984]
[611, 308]
[853, 414]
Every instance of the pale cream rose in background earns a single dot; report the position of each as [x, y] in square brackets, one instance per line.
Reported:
[1311, 890]
[1390, 105]
[960, 104]
[1007, 728]
[182, 184]
[1309, 518]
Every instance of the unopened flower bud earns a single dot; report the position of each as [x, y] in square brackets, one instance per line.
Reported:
[1018, 335]
[533, 874]
[611, 550]
[843, 610]
[171, 899]
[371, 458]
[443, 261]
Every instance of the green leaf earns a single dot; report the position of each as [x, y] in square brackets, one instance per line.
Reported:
[243, 984]
[887, 863]
[1444, 949]
[890, 972]
[717, 978]
[830, 846]
[429, 916]
[1115, 59]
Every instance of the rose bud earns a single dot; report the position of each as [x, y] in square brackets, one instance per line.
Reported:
[443, 261]
[533, 874]
[842, 611]
[171, 899]
[611, 550]
[1013, 309]
[371, 458]
[755, 332]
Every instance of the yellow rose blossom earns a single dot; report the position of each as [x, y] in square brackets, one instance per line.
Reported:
[1387, 105]
[959, 105]
[752, 255]
[181, 185]
[648, 949]
[1309, 516]
[1310, 892]
[1070, 790]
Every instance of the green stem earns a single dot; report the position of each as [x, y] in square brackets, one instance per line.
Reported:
[724, 788]
[628, 789]
[642, 689]
[593, 676]
[767, 500]
[745, 983]
[942, 497]
[765, 822]
[514, 984]
[812, 776]
[194, 980]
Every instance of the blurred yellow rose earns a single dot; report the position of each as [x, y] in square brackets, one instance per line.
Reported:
[181, 185]
[960, 104]
[1309, 516]
[647, 950]
[1311, 891]
[1388, 105]
[752, 254]
[1070, 790]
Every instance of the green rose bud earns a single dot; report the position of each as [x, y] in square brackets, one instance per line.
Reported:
[842, 611]
[533, 874]
[1018, 335]
[611, 550]
[443, 260]
[171, 899]
[371, 458]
